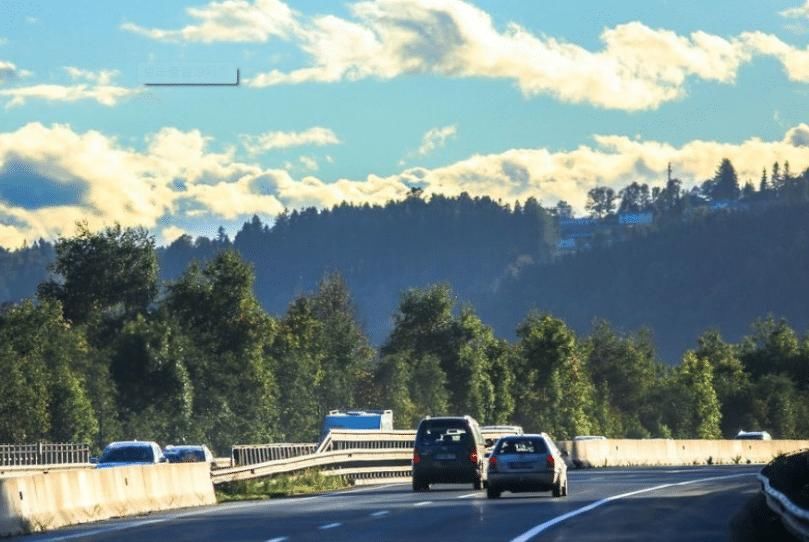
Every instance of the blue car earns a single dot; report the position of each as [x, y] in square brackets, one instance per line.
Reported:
[131, 452]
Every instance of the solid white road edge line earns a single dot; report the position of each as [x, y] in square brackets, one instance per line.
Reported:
[467, 496]
[531, 533]
[82, 534]
[423, 503]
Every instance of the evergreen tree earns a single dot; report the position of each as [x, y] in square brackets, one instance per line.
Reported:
[725, 182]
[703, 415]
[763, 185]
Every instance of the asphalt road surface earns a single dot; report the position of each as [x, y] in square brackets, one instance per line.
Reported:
[694, 503]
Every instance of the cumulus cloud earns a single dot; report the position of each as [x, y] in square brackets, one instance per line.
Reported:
[88, 85]
[435, 138]
[317, 135]
[637, 68]
[798, 12]
[171, 233]
[309, 163]
[614, 161]
[9, 71]
[101, 77]
[794, 60]
[228, 21]
[177, 177]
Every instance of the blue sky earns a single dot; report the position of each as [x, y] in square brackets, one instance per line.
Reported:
[359, 101]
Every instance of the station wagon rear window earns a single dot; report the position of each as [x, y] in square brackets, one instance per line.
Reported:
[522, 446]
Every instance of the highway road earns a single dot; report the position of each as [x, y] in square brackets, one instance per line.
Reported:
[678, 503]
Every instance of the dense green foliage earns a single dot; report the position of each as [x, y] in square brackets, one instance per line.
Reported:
[204, 362]
[109, 350]
[677, 276]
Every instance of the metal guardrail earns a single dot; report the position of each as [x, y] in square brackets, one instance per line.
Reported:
[43, 453]
[331, 459]
[358, 439]
[794, 518]
[357, 454]
[251, 454]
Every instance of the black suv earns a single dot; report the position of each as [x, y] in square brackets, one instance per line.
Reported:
[448, 450]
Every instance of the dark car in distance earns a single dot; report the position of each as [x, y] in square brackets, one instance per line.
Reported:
[188, 453]
[448, 450]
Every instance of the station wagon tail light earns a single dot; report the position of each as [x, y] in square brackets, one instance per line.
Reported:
[416, 458]
[473, 457]
[492, 464]
[550, 461]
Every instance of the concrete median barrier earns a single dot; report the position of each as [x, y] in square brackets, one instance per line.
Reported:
[46, 501]
[669, 452]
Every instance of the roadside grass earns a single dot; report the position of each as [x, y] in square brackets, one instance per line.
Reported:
[285, 485]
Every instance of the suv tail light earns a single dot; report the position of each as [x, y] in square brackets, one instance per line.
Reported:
[492, 464]
[550, 461]
[473, 457]
[416, 458]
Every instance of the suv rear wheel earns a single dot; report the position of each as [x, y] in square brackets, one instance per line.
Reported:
[492, 493]
[420, 484]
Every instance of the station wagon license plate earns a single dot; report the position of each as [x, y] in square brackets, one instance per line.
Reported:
[445, 457]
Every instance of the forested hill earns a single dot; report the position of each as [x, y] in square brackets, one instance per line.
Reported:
[703, 269]
[722, 270]
[381, 251]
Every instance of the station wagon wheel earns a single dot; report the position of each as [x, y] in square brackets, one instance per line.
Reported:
[557, 488]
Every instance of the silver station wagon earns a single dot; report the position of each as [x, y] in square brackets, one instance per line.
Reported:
[526, 463]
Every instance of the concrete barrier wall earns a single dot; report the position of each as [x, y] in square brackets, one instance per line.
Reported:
[658, 452]
[45, 501]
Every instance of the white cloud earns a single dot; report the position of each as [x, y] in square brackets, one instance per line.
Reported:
[228, 21]
[795, 61]
[171, 233]
[257, 144]
[9, 71]
[101, 77]
[613, 161]
[309, 163]
[638, 67]
[435, 138]
[799, 12]
[177, 177]
[90, 85]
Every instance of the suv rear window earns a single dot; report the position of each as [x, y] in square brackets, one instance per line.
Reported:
[126, 454]
[445, 432]
[522, 446]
